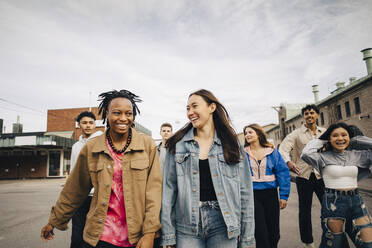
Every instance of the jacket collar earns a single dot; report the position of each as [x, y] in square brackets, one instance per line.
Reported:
[189, 136]
[304, 129]
[136, 143]
[268, 151]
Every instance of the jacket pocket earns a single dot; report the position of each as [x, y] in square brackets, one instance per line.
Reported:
[139, 169]
[95, 172]
[181, 160]
[230, 171]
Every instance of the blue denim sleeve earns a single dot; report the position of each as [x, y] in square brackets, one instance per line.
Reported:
[169, 196]
[282, 176]
[247, 204]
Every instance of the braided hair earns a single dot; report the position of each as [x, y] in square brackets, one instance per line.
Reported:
[108, 96]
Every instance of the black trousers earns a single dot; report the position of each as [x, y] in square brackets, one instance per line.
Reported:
[103, 244]
[78, 223]
[305, 189]
[266, 216]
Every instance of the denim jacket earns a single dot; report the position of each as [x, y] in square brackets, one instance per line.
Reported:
[180, 199]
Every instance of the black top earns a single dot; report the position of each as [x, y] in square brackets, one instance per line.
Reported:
[207, 192]
[259, 161]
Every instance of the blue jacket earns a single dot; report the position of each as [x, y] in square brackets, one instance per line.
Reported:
[180, 199]
[270, 173]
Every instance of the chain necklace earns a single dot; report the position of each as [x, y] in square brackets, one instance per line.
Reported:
[129, 139]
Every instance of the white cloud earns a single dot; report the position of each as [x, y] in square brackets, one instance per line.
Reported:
[251, 54]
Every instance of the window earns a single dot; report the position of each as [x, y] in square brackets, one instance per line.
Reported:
[293, 127]
[54, 163]
[347, 108]
[322, 119]
[339, 113]
[357, 105]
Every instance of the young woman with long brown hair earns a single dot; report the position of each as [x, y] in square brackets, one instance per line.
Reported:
[207, 189]
[269, 171]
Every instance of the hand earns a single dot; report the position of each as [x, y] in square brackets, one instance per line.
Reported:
[282, 204]
[293, 167]
[47, 232]
[147, 241]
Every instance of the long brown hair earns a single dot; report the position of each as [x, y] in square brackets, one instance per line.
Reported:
[222, 123]
[262, 138]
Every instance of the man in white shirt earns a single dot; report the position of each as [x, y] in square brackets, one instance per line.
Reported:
[308, 181]
[86, 121]
[166, 133]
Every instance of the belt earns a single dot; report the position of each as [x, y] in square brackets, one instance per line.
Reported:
[342, 192]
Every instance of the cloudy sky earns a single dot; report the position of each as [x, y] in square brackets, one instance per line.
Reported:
[251, 54]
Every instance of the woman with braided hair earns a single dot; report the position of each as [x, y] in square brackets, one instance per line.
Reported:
[123, 167]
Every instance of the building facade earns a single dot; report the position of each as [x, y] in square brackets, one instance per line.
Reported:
[350, 103]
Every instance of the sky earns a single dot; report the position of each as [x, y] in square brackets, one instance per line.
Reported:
[251, 54]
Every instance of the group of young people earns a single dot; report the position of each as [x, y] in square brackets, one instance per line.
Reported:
[200, 187]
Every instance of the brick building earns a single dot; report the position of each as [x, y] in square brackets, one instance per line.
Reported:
[350, 103]
[34, 155]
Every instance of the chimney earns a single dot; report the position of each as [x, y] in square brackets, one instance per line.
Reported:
[1, 126]
[352, 80]
[367, 56]
[316, 93]
[17, 127]
[340, 85]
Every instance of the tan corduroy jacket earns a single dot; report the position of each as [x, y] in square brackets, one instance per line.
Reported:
[292, 146]
[142, 184]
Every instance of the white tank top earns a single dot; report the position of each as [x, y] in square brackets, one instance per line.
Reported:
[340, 177]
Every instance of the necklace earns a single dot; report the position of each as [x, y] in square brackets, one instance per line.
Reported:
[129, 139]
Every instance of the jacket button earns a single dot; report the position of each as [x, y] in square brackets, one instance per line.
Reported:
[107, 185]
[192, 154]
[108, 166]
[100, 220]
[104, 204]
[193, 209]
[193, 190]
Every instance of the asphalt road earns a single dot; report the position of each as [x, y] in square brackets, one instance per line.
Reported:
[25, 207]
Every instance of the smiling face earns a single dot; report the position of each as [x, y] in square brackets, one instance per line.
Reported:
[120, 115]
[310, 117]
[250, 135]
[199, 112]
[339, 139]
[87, 125]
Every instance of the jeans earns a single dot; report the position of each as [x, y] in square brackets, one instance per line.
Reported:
[305, 189]
[212, 230]
[347, 206]
[78, 224]
[266, 216]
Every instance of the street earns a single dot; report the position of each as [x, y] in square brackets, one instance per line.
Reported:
[25, 207]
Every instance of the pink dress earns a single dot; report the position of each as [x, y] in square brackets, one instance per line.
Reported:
[115, 230]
